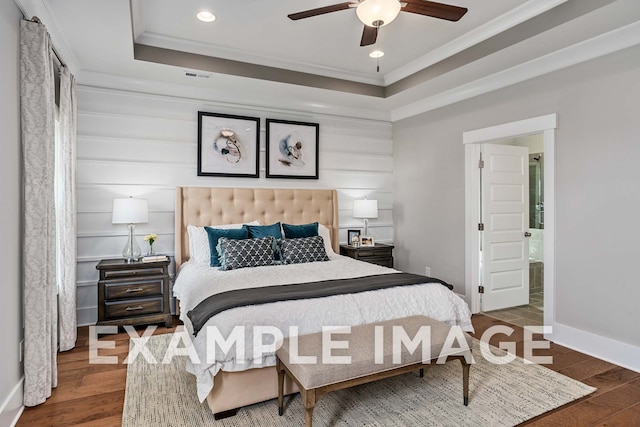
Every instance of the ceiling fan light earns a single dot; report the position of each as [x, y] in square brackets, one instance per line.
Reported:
[376, 54]
[378, 13]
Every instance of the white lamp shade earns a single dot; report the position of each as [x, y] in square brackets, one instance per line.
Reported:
[378, 13]
[365, 208]
[130, 211]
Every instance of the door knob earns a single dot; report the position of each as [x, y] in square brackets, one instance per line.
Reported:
[527, 234]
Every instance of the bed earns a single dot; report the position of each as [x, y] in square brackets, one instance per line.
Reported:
[230, 381]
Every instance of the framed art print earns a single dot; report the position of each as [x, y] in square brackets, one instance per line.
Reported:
[228, 145]
[292, 149]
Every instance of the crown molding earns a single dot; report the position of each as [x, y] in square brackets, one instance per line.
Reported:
[516, 16]
[238, 99]
[595, 47]
[215, 51]
[40, 8]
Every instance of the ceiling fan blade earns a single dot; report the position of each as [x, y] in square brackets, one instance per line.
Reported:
[369, 35]
[320, 11]
[435, 10]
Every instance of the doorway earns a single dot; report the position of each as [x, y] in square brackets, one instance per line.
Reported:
[473, 141]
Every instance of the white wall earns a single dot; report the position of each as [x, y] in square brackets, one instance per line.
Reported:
[10, 215]
[597, 188]
[131, 143]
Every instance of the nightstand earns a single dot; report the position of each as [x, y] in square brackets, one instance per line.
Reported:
[379, 254]
[134, 293]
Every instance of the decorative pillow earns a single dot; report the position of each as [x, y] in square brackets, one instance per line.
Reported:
[246, 253]
[258, 231]
[299, 231]
[199, 250]
[216, 234]
[326, 236]
[306, 249]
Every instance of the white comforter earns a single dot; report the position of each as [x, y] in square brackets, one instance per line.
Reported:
[196, 282]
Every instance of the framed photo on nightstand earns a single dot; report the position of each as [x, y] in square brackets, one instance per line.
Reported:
[350, 235]
[367, 241]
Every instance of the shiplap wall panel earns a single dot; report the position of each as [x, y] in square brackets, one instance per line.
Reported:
[108, 246]
[355, 146]
[123, 171]
[99, 198]
[96, 223]
[139, 150]
[139, 127]
[144, 145]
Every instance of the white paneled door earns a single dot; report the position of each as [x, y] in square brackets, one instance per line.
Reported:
[505, 215]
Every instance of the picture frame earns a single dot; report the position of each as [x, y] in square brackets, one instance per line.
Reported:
[292, 149]
[228, 145]
[351, 234]
[367, 241]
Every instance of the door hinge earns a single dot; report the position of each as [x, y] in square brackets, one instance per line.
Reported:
[480, 163]
[481, 289]
[481, 226]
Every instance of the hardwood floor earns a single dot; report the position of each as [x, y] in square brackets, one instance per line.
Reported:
[93, 395]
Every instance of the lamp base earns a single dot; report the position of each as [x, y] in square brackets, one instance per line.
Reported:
[131, 251]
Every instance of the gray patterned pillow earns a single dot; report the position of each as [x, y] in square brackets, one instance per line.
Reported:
[305, 249]
[245, 253]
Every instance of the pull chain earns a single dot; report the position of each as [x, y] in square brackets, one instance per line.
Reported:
[378, 58]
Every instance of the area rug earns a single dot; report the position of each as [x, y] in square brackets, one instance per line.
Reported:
[500, 395]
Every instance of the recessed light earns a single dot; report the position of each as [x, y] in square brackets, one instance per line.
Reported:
[376, 54]
[206, 16]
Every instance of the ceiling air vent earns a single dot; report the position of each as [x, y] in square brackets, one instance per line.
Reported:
[192, 74]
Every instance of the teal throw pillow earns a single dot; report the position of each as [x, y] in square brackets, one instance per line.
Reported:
[300, 231]
[259, 231]
[215, 234]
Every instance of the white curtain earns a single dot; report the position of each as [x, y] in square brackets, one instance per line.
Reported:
[66, 210]
[49, 238]
[37, 99]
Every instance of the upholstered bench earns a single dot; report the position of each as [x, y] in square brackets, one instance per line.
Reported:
[316, 379]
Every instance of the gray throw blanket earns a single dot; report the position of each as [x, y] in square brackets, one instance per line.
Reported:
[251, 296]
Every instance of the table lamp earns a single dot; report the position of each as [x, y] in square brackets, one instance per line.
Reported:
[365, 209]
[130, 211]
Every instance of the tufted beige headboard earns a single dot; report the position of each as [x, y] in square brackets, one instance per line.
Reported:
[202, 206]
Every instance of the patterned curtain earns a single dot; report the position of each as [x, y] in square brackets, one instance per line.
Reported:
[66, 211]
[43, 277]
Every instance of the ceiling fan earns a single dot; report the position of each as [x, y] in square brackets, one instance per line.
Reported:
[378, 13]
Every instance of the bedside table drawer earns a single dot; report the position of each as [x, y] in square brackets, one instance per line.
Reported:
[133, 307]
[133, 289]
[383, 261]
[138, 272]
[380, 254]
[374, 253]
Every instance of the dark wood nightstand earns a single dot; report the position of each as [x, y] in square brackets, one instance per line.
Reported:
[379, 254]
[134, 293]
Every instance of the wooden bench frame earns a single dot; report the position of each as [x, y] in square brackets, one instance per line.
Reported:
[310, 397]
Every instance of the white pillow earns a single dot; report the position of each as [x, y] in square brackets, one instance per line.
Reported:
[326, 236]
[199, 249]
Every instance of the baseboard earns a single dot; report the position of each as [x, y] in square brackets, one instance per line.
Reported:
[86, 316]
[12, 406]
[619, 353]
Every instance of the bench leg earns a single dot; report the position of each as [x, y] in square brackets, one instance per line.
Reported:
[308, 416]
[280, 387]
[465, 380]
[421, 372]
[309, 402]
